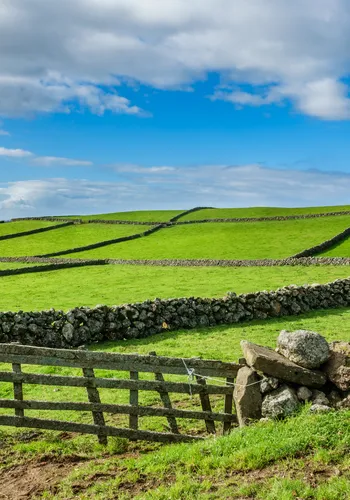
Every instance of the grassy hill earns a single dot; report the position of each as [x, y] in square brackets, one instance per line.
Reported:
[227, 213]
[305, 457]
[251, 240]
[141, 216]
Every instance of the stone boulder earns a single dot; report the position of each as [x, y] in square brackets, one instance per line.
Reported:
[247, 396]
[269, 362]
[268, 384]
[319, 398]
[305, 348]
[280, 403]
[304, 394]
[319, 408]
[337, 367]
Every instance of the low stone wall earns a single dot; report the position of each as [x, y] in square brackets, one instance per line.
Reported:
[326, 245]
[83, 325]
[34, 231]
[55, 263]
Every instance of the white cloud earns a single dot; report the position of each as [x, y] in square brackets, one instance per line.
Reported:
[44, 161]
[79, 51]
[50, 161]
[211, 185]
[15, 153]
[137, 169]
[4, 132]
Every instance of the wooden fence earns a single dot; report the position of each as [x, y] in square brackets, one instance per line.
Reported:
[192, 368]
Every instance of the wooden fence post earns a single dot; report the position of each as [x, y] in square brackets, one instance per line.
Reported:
[18, 389]
[94, 397]
[206, 406]
[134, 401]
[228, 407]
[164, 396]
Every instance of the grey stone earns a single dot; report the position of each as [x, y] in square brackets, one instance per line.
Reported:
[304, 394]
[334, 398]
[344, 404]
[319, 398]
[268, 384]
[68, 332]
[305, 348]
[247, 397]
[337, 367]
[266, 360]
[280, 403]
[319, 408]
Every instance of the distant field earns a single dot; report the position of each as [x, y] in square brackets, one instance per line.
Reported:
[342, 250]
[65, 238]
[142, 216]
[22, 226]
[251, 240]
[113, 284]
[227, 213]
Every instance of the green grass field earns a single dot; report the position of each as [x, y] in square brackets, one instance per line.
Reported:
[199, 470]
[22, 226]
[251, 240]
[305, 457]
[116, 284]
[227, 213]
[65, 238]
[141, 216]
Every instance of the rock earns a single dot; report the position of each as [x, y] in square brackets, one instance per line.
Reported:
[274, 364]
[247, 397]
[334, 398]
[337, 367]
[68, 331]
[305, 348]
[318, 408]
[265, 419]
[280, 403]
[344, 404]
[304, 394]
[268, 384]
[319, 398]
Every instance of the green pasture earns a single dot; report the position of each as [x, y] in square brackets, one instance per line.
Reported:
[116, 284]
[250, 240]
[65, 239]
[141, 216]
[341, 250]
[227, 213]
[22, 226]
[215, 468]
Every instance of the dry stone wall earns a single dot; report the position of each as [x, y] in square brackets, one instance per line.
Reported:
[83, 325]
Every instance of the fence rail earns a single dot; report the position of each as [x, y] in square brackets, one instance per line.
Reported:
[195, 370]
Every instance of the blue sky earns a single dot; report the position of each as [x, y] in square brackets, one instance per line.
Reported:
[116, 105]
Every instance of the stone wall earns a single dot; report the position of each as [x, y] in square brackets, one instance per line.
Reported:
[83, 325]
[55, 264]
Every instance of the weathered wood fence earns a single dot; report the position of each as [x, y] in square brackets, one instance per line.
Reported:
[192, 368]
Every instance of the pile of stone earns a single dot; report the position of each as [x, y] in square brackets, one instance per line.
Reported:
[304, 368]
